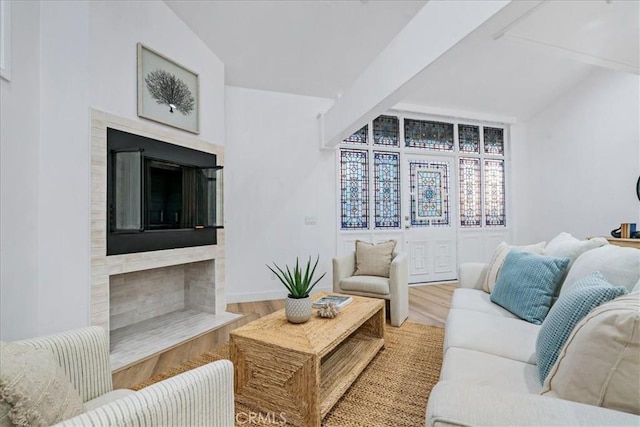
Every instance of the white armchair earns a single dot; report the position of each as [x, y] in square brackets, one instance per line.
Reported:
[395, 288]
[199, 397]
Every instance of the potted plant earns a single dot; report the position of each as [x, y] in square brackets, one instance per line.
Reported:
[299, 284]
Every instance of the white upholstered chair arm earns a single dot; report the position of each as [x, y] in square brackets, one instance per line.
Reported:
[343, 267]
[471, 275]
[465, 404]
[399, 274]
[399, 289]
[199, 397]
[83, 354]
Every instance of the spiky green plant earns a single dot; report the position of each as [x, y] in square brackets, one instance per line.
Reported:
[298, 283]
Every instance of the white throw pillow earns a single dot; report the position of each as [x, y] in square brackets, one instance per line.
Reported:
[495, 265]
[564, 245]
[599, 363]
[35, 387]
[617, 264]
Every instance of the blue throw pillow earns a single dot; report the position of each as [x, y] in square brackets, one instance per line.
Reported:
[585, 295]
[526, 284]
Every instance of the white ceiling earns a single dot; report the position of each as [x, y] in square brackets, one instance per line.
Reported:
[314, 48]
[513, 65]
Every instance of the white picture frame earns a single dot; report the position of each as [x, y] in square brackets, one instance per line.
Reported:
[5, 40]
[168, 92]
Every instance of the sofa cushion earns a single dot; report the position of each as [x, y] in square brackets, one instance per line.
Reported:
[527, 283]
[463, 404]
[509, 338]
[369, 284]
[588, 293]
[617, 264]
[477, 300]
[599, 365]
[374, 259]
[485, 369]
[35, 387]
[497, 260]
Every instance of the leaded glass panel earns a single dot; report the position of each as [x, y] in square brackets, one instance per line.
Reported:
[359, 137]
[494, 200]
[437, 136]
[354, 189]
[386, 189]
[493, 140]
[386, 131]
[470, 196]
[468, 139]
[429, 183]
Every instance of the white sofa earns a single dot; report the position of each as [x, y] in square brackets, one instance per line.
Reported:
[489, 374]
[199, 397]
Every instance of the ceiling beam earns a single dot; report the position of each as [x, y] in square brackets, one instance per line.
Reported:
[435, 29]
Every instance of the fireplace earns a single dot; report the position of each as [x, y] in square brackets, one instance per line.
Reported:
[153, 296]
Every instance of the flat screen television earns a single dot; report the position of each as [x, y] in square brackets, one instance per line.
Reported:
[160, 195]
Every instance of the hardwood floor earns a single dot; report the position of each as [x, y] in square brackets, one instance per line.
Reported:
[428, 304]
[261, 308]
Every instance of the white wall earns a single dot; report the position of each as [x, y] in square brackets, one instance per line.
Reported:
[19, 142]
[577, 167]
[63, 186]
[87, 60]
[275, 176]
[116, 28]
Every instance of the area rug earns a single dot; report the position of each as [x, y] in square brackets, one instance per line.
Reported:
[392, 391]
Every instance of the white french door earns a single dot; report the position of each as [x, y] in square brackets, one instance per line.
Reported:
[435, 185]
[429, 232]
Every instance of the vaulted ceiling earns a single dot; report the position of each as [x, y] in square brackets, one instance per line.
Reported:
[513, 65]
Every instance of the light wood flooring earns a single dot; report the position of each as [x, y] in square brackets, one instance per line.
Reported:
[428, 304]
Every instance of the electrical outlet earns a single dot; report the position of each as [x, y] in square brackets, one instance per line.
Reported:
[310, 220]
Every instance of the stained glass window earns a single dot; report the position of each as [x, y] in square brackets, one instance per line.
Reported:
[354, 189]
[469, 139]
[359, 137]
[494, 201]
[470, 195]
[386, 131]
[386, 168]
[436, 136]
[493, 140]
[429, 182]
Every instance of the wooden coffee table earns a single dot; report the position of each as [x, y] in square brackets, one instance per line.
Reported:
[300, 371]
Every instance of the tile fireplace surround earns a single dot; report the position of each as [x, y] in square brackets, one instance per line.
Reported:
[153, 300]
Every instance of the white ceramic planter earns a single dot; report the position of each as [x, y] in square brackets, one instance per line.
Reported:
[298, 310]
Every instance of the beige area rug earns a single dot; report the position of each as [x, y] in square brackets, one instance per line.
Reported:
[392, 391]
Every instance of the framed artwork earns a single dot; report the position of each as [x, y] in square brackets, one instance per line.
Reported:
[167, 91]
[5, 39]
